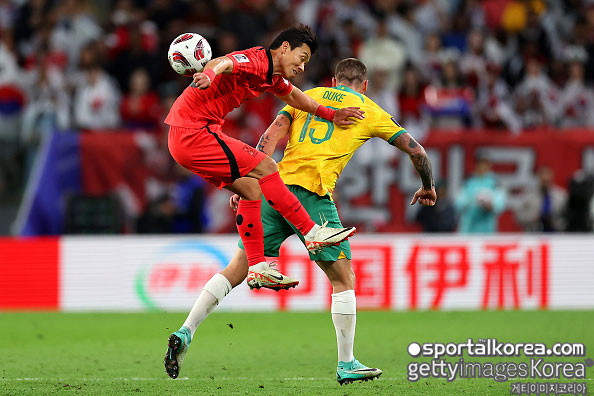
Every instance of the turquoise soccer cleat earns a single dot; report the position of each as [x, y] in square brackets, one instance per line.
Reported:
[177, 347]
[348, 372]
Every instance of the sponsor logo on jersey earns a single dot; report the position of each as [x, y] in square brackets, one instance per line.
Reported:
[241, 58]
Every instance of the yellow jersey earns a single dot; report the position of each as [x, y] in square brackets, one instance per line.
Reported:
[318, 150]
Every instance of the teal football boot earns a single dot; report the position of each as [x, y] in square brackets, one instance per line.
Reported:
[348, 372]
[177, 347]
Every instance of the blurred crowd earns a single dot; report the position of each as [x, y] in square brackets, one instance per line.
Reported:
[541, 207]
[79, 65]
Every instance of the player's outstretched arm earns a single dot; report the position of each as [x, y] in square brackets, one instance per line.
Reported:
[212, 69]
[340, 117]
[426, 194]
[275, 132]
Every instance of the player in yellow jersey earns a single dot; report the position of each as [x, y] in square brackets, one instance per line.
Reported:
[316, 154]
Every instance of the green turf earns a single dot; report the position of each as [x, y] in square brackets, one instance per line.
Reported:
[263, 354]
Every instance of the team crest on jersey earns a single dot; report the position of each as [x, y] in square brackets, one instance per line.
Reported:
[241, 58]
[185, 37]
[395, 122]
[252, 151]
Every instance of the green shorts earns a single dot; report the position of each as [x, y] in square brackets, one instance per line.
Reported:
[277, 229]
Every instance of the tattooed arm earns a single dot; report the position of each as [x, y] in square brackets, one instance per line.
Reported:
[275, 132]
[426, 194]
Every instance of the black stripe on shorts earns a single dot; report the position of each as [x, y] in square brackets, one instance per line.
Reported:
[230, 157]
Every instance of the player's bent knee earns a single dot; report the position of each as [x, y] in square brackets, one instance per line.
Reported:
[268, 166]
[247, 188]
[252, 193]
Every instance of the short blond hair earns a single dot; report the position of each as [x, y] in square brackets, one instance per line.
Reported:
[351, 71]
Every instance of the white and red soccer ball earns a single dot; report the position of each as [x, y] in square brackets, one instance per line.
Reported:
[189, 53]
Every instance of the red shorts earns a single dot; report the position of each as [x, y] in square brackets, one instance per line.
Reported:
[212, 155]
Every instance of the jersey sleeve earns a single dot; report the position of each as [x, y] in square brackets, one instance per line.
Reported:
[384, 126]
[280, 86]
[289, 112]
[248, 63]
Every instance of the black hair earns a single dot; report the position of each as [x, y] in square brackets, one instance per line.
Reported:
[297, 35]
[350, 70]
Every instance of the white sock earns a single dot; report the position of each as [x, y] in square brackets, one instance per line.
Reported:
[344, 317]
[212, 294]
[310, 234]
[259, 267]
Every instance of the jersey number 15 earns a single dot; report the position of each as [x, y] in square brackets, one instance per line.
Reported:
[316, 140]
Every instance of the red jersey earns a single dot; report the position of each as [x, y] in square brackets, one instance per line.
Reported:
[252, 75]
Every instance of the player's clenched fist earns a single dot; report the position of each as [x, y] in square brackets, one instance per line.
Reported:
[202, 80]
[234, 202]
[425, 197]
[341, 117]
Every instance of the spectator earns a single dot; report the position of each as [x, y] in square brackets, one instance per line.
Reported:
[412, 104]
[431, 62]
[575, 107]
[442, 216]
[580, 203]
[542, 206]
[140, 107]
[75, 28]
[430, 15]
[493, 109]
[136, 47]
[481, 201]
[402, 26]
[534, 97]
[96, 98]
[473, 63]
[449, 100]
[393, 56]
[380, 92]
[48, 110]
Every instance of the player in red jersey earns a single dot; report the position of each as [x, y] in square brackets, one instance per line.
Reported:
[196, 140]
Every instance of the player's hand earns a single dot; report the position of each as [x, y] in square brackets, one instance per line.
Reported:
[341, 117]
[201, 81]
[425, 197]
[234, 202]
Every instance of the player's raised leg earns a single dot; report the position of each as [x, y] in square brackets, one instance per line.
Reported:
[211, 295]
[344, 317]
[249, 226]
[286, 203]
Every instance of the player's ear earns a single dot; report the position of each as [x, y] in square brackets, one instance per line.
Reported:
[364, 86]
[286, 47]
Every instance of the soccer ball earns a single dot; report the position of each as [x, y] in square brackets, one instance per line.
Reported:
[189, 53]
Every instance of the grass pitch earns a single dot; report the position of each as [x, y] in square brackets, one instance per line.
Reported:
[256, 353]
